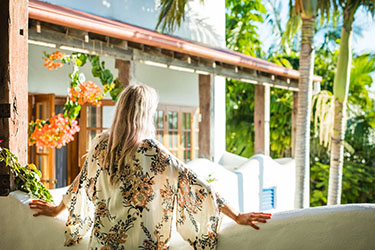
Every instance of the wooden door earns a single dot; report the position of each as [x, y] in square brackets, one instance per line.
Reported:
[44, 157]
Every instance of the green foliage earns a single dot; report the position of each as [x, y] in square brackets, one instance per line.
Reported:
[240, 118]
[358, 181]
[27, 178]
[242, 36]
[361, 80]
[106, 77]
[281, 123]
[319, 174]
[359, 151]
[241, 29]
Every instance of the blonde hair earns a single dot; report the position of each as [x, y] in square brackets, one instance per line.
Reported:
[132, 122]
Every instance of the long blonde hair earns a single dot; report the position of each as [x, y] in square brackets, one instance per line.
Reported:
[132, 122]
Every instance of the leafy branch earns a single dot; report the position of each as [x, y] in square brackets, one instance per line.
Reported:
[27, 178]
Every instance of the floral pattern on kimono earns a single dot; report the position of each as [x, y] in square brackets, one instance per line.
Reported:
[137, 211]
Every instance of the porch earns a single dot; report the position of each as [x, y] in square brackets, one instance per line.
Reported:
[135, 51]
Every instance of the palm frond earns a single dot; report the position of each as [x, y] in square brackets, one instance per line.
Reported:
[293, 25]
[369, 6]
[172, 14]
[324, 106]
[328, 10]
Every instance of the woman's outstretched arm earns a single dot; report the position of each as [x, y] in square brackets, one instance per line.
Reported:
[250, 219]
[46, 208]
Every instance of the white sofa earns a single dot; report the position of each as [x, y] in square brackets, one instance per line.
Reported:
[346, 227]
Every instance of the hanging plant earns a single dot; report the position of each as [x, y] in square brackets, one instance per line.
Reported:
[27, 178]
[59, 130]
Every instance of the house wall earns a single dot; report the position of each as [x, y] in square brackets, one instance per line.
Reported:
[173, 87]
[203, 22]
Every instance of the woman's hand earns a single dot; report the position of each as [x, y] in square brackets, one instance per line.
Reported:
[45, 208]
[252, 219]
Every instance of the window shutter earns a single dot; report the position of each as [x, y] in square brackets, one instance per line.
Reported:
[268, 199]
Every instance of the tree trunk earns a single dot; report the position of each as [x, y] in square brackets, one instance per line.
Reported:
[340, 91]
[302, 152]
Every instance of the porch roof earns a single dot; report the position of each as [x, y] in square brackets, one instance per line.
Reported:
[181, 53]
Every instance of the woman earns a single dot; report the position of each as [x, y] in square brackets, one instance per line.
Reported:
[132, 185]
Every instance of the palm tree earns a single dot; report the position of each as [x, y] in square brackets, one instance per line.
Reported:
[340, 91]
[308, 11]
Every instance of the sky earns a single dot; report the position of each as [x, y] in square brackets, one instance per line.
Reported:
[363, 42]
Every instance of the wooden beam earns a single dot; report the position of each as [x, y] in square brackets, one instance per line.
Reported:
[94, 47]
[241, 74]
[126, 71]
[294, 122]
[205, 107]
[13, 84]
[262, 119]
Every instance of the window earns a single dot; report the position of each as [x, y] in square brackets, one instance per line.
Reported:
[177, 128]
[92, 121]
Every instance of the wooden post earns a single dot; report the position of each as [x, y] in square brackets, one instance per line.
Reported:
[294, 122]
[262, 119]
[205, 108]
[126, 71]
[13, 84]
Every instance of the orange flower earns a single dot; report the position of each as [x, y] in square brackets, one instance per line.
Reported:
[51, 58]
[86, 92]
[55, 132]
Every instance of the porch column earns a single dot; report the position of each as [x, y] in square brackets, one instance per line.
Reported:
[294, 122]
[206, 111]
[262, 119]
[13, 84]
[126, 71]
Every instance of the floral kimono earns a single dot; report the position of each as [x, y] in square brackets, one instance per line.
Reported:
[137, 211]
